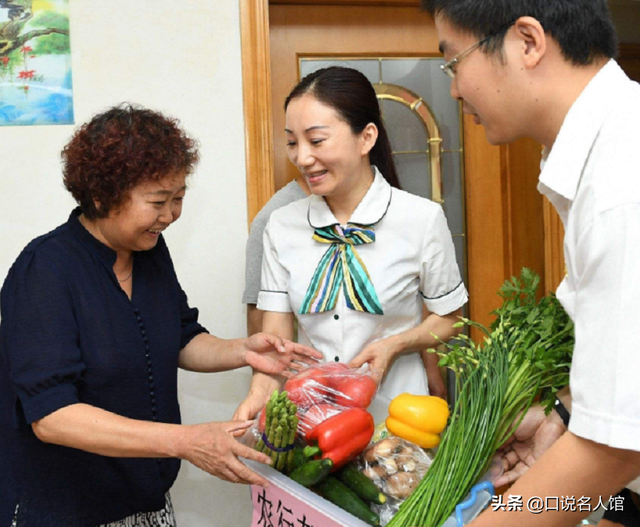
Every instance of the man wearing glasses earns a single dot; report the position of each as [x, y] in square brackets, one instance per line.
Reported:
[545, 70]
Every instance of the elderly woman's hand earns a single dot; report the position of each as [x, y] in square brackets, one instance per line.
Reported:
[277, 356]
[212, 448]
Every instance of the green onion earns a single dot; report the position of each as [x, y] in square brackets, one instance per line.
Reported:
[526, 354]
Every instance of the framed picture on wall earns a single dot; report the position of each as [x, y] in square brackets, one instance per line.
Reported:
[35, 63]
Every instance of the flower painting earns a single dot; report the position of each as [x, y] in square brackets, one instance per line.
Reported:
[35, 63]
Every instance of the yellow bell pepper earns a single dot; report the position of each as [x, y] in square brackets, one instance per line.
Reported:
[418, 418]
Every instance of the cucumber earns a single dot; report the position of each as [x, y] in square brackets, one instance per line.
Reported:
[297, 460]
[301, 456]
[338, 493]
[311, 451]
[312, 472]
[360, 484]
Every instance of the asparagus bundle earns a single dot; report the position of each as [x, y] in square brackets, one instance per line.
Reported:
[527, 353]
[280, 430]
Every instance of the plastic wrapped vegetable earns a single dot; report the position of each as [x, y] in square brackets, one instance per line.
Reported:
[332, 383]
[278, 431]
[322, 391]
[418, 418]
[316, 415]
[396, 467]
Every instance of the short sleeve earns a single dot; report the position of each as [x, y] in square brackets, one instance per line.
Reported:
[274, 284]
[253, 265]
[190, 327]
[606, 361]
[40, 338]
[441, 285]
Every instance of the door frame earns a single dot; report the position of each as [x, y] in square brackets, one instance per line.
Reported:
[258, 115]
[500, 196]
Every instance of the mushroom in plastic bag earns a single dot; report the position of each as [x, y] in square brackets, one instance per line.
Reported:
[396, 466]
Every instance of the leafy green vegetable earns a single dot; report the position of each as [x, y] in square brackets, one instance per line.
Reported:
[525, 354]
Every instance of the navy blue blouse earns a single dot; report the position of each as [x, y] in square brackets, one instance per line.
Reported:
[70, 334]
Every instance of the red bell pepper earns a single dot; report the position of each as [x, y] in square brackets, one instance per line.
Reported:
[307, 388]
[262, 422]
[315, 385]
[356, 391]
[343, 436]
[316, 415]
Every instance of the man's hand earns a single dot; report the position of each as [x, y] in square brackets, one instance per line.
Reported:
[533, 438]
[277, 356]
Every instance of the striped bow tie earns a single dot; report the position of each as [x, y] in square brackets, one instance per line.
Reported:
[342, 267]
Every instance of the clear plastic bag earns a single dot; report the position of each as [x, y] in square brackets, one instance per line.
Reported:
[327, 389]
[320, 392]
[396, 466]
[275, 431]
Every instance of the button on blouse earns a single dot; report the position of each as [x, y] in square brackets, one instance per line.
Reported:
[69, 334]
[411, 262]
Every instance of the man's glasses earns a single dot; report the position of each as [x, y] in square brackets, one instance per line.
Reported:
[449, 67]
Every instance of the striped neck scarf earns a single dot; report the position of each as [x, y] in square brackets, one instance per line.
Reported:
[341, 266]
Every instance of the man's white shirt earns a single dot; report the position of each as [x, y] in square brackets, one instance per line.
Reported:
[592, 177]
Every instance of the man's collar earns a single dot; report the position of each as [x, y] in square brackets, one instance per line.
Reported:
[562, 166]
[370, 210]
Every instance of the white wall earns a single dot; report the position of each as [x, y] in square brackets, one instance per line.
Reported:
[183, 58]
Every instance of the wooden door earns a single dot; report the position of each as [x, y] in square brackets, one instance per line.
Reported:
[504, 212]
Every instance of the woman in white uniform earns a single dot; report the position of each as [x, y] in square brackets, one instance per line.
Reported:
[354, 262]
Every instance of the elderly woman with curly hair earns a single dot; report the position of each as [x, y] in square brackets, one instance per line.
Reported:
[94, 327]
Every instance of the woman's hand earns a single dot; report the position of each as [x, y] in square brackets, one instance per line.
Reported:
[212, 448]
[262, 387]
[379, 355]
[277, 356]
[250, 407]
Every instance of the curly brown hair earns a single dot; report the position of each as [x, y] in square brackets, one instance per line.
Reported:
[119, 149]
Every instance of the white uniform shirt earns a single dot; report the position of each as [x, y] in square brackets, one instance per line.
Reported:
[592, 177]
[412, 260]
